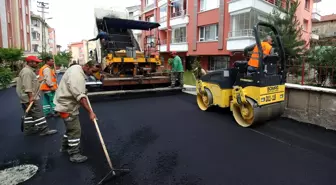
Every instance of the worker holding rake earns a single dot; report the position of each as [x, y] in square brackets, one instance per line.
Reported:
[71, 94]
[27, 89]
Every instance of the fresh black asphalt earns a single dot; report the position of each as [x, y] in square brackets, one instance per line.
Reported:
[167, 140]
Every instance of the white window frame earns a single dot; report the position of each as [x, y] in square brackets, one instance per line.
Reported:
[204, 7]
[202, 37]
[184, 37]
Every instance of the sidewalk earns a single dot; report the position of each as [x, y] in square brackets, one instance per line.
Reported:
[190, 89]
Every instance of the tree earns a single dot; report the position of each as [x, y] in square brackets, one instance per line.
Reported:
[9, 58]
[290, 30]
[322, 59]
[63, 58]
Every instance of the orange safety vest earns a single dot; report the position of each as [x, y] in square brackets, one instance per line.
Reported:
[44, 86]
[254, 60]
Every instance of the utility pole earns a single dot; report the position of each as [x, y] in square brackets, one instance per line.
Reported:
[42, 7]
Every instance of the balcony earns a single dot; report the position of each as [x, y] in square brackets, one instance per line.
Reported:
[163, 23]
[179, 44]
[316, 15]
[179, 18]
[266, 6]
[149, 8]
[239, 39]
[163, 45]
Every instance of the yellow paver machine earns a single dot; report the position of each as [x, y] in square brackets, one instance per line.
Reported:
[252, 97]
[126, 66]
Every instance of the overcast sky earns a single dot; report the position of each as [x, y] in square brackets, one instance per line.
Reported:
[73, 20]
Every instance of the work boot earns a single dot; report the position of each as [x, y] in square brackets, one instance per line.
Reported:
[48, 132]
[78, 158]
[31, 131]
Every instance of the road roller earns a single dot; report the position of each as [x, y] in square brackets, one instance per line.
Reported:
[252, 97]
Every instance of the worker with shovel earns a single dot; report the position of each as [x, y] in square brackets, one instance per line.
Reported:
[27, 89]
[176, 70]
[71, 94]
[48, 87]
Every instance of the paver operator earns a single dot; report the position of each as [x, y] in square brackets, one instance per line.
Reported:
[176, 70]
[71, 94]
[26, 88]
[48, 87]
[253, 63]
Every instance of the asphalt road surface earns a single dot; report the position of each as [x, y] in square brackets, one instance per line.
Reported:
[167, 140]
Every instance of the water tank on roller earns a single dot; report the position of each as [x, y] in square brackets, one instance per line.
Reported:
[131, 52]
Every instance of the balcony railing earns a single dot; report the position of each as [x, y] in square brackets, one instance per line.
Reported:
[179, 40]
[178, 14]
[241, 33]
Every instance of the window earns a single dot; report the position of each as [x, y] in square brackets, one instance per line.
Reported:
[179, 35]
[130, 14]
[35, 23]
[218, 62]
[35, 47]
[150, 41]
[163, 13]
[208, 5]
[150, 19]
[305, 25]
[208, 33]
[149, 2]
[242, 24]
[177, 8]
[307, 4]
[36, 35]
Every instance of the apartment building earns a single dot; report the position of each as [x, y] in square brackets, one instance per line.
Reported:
[216, 31]
[38, 26]
[134, 13]
[15, 24]
[80, 51]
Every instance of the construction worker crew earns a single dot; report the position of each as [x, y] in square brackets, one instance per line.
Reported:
[48, 87]
[266, 45]
[26, 88]
[176, 70]
[70, 94]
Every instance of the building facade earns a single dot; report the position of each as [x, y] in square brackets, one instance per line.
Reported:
[15, 24]
[81, 51]
[325, 28]
[216, 31]
[134, 13]
[38, 26]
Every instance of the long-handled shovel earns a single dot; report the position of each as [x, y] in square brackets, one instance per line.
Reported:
[30, 105]
[112, 171]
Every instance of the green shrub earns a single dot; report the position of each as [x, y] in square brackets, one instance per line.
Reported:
[6, 77]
